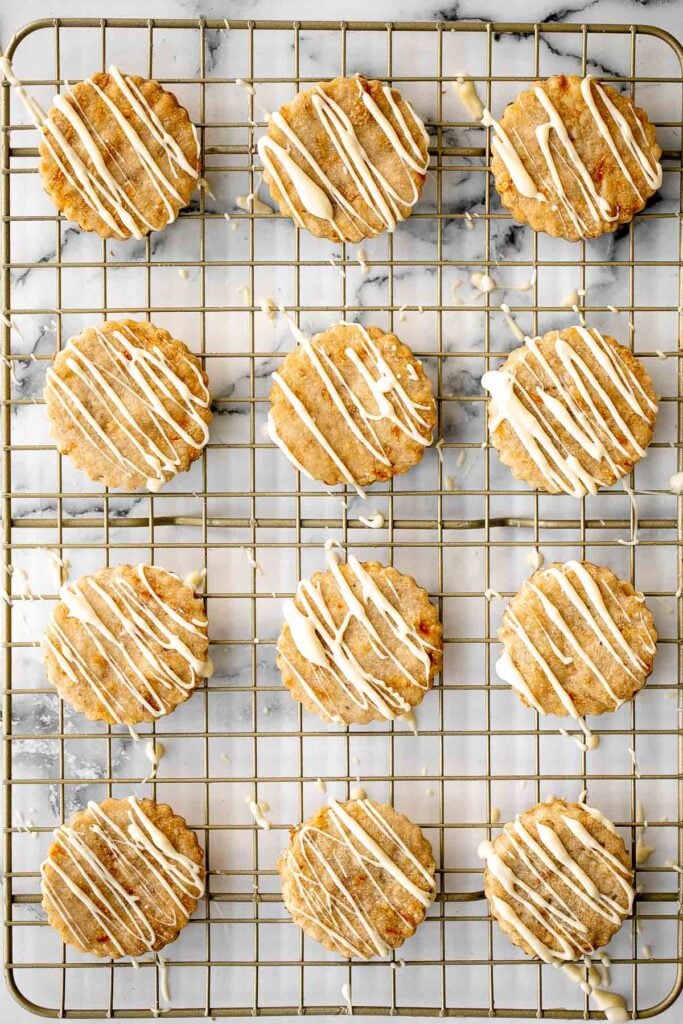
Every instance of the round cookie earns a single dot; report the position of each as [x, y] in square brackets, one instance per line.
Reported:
[122, 878]
[558, 880]
[361, 643]
[127, 644]
[571, 411]
[346, 159]
[574, 158]
[128, 404]
[578, 640]
[351, 406]
[358, 877]
[119, 155]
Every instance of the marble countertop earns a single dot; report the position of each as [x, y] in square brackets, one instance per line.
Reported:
[415, 286]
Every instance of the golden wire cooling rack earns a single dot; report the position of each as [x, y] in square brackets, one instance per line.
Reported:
[459, 522]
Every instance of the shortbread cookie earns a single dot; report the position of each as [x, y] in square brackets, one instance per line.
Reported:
[346, 159]
[571, 411]
[118, 155]
[574, 158]
[358, 877]
[578, 640]
[127, 644]
[558, 880]
[351, 406]
[361, 643]
[128, 404]
[122, 878]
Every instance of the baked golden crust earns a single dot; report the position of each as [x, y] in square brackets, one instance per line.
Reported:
[520, 121]
[377, 895]
[320, 689]
[324, 148]
[400, 449]
[149, 209]
[121, 667]
[132, 434]
[166, 915]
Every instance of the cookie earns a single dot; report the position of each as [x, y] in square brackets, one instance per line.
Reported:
[571, 411]
[118, 155]
[361, 643]
[577, 641]
[127, 644]
[558, 880]
[351, 406]
[574, 158]
[128, 404]
[358, 877]
[346, 159]
[122, 878]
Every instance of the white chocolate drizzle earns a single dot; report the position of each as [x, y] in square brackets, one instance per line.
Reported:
[539, 415]
[323, 644]
[136, 903]
[585, 594]
[558, 152]
[323, 884]
[134, 650]
[316, 192]
[546, 857]
[123, 375]
[387, 400]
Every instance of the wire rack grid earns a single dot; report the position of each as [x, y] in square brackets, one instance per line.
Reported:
[478, 751]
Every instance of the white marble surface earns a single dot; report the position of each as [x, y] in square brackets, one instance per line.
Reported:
[462, 424]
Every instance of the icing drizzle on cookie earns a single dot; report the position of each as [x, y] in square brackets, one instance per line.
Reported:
[560, 154]
[540, 414]
[126, 374]
[323, 882]
[385, 399]
[323, 643]
[315, 190]
[127, 882]
[145, 627]
[546, 857]
[576, 585]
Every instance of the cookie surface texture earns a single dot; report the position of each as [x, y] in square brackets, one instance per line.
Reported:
[574, 158]
[351, 406]
[127, 644]
[346, 159]
[361, 643]
[558, 880]
[571, 411]
[122, 878]
[358, 877]
[128, 404]
[119, 155]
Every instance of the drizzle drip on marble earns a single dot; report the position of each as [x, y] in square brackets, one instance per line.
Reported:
[389, 401]
[139, 902]
[322, 643]
[335, 910]
[145, 629]
[128, 371]
[535, 415]
[317, 193]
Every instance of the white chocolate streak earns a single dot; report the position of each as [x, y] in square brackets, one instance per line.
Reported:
[323, 644]
[128, 371]
[548, 860]
[535, 414]
[141, 626]
[314, 189]
[597, 208]
[148, 867]
[389, 402]
[322, 884]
